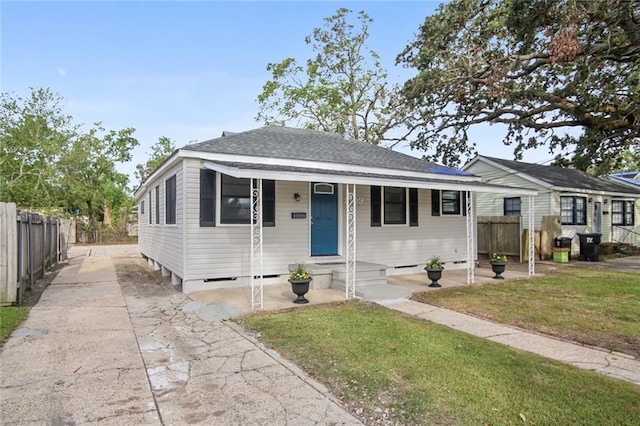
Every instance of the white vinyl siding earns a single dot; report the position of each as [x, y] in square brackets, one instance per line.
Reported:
[164, 244]
[223, 251]
[395, 246]
[490, 204]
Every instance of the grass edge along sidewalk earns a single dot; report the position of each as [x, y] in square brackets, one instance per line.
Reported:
[590, 306]
[385, 365]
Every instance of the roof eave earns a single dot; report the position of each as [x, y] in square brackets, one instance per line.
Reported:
[251, 173]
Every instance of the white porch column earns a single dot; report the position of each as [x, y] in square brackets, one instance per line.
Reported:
[350, 223]
[532, 240]
[256, 278]
[470, 238]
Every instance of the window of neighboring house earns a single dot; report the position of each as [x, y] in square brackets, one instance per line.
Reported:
[511, 206]
[451, 202]
[157, 204]
[622, 212]
[395, 206]
[170, 200]
[573, 210]
[142, 207]
[235, 200]
[150, 215]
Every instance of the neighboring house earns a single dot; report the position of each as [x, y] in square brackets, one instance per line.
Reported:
[626, 178]
[323, 200]
[584, 203]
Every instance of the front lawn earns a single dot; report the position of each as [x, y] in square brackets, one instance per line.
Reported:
[595, 307]
[389, 367]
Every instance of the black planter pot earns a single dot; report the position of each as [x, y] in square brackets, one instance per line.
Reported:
[498, 269]
[434, 275]
[300, 288]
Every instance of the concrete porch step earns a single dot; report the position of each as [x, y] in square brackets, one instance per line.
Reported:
[360, 282]
[383, 293]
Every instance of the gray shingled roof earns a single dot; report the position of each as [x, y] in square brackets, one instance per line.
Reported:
[563, 177]
[310, 145]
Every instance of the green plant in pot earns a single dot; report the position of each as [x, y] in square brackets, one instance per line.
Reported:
[300, 279]
[434, 269]
[498, 264]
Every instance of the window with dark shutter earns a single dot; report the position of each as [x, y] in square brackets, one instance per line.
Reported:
[150, 210]
[268, 202]
[435, 202]
[170, 200]
[207, 198]
[157, 203]
[413, 206]
[376, 206]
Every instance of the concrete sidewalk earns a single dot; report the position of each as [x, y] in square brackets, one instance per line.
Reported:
[96, 350]
[612, 364]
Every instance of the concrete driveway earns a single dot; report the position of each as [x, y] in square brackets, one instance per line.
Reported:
[126, 349]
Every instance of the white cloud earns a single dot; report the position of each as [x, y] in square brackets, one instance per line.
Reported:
[62, 72]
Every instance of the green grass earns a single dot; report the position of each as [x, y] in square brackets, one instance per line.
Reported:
[371, 357]
[590, 306]
[10, 318]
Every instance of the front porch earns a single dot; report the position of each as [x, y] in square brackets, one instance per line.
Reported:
[233, 302]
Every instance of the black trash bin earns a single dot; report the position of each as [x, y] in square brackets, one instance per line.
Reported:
[590, 246]
[564, 243]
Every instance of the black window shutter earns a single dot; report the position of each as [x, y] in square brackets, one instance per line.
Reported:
[376, 206]
[435, 202]
[268, 202]
[413, 206]
[207, 197]
[463, 194]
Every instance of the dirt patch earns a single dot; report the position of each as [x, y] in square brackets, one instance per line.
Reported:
[137, 279]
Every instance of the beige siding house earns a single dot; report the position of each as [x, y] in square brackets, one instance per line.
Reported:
[584, 203]
[247, 206]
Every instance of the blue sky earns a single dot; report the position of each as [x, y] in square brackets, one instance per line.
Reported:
[186, 70]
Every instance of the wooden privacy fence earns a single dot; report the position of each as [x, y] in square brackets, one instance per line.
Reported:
[30, 245]
[499, 234]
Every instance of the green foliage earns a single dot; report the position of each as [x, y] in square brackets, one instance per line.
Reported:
[434, 263]
[300, 273]
[50, 163]
[341, 89]
[34, 135]
[539, 68]
[10, 318]
[160, 151]
[499, 258]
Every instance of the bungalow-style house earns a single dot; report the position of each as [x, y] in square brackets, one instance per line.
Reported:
[242, 209]
[584, 203]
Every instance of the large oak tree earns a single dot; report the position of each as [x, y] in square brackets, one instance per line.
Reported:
[537, 67]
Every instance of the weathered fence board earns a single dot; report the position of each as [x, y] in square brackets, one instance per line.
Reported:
[30, 245]
[8, 252]
[499, 234]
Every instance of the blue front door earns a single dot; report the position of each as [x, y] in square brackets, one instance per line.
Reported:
[324, 219]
